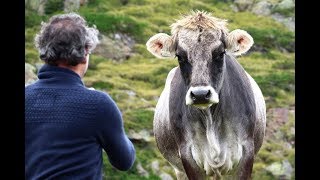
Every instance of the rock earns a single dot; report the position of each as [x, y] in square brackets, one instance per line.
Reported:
[38, 66]
[71, 5]
[262, 8]
[277, 117]
[286, 4]
[155, 166]
[37, 5]
[143, 135]
[165, 176]
[142, 171]
[32, 4]
[289, 22]
[234, 7]
[280, 170]
[275, 169]
[287, 168]
[30, 76]
[119, 47]
[41, 7]
[130, 93]
[243, 5]
[258, 48]
[83, 2]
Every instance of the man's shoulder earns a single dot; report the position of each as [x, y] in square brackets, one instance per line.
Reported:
[30, 87]
[101, 96]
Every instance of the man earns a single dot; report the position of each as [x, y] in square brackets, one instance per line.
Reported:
[67, 124]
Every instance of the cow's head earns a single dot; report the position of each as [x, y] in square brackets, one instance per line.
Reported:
[200, 42]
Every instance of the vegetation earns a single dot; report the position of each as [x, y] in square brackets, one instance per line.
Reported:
[135, 84]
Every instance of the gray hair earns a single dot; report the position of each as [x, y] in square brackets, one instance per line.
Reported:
[66, 37]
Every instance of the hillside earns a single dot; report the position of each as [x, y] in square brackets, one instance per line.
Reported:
[134, 78]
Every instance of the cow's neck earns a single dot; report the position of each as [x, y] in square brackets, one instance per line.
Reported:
[214, 146]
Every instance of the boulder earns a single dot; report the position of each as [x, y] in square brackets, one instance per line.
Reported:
[289, 22]
[279, 170]
[36, 5]
[30, 74]
[155, 166]
[142, 171]
[243, 5]
[117, 47]
[140, 136]
[71, 5]
[83, 2]
[262, 8]
[286, 4]
[165, 176]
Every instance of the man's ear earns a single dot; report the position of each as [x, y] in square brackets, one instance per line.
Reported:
[161, 45]
[239, 42]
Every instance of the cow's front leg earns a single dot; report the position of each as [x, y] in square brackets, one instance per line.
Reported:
[246, 162]
[193, 171]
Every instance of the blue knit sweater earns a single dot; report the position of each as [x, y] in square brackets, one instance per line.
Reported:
[68, 125]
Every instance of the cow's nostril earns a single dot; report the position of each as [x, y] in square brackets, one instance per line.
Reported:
[193, 97]
[208, 95]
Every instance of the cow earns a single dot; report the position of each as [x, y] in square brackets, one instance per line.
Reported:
[210, 118]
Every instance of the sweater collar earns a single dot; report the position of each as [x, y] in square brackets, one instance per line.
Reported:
[58, 75]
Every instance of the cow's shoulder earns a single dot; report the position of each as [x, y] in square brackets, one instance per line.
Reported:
[170, 76]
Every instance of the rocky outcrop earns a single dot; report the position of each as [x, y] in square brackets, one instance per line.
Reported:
[165, 176]
[262, 8]
[117, 47]
[141, 136]
[286, 4]
[36, 5]
[281, 170]
[142, 171]
[281, 11]
[243, 5]
[279, 125]
[156, 170]
[30, 74]
[40, 5]
[71, 5]
[280, 132]
[289, 22]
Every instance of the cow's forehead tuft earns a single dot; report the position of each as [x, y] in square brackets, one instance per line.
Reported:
[199, 20]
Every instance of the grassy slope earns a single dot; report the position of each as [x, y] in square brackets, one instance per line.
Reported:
[144, 75]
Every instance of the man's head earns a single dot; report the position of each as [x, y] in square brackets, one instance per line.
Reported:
[66, 39]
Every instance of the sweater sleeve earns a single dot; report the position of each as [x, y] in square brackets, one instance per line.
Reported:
[112, 137]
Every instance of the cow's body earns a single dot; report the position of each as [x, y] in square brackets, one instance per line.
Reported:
[211, 116]
[220, 132]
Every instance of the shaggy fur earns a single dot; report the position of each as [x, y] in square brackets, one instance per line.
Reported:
[199, 19]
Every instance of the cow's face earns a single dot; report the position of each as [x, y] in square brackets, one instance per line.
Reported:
[201, 52]
[201, 55]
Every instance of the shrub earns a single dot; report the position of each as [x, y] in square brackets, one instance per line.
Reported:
[272, 38]
[33, 19]
[108, 23]
[53, 6]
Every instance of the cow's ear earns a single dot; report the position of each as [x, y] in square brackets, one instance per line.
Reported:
[161, 45]
[239, 42]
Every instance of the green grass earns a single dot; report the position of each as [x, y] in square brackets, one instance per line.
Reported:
[286, 12]
[112, 23]
[275, 75]
[53, 6]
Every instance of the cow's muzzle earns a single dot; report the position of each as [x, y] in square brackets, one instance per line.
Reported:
[202, 96]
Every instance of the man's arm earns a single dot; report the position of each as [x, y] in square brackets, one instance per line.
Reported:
[111, 135]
